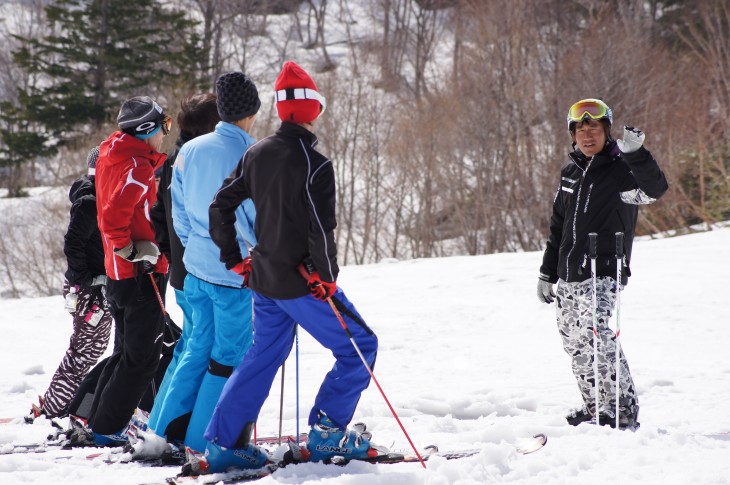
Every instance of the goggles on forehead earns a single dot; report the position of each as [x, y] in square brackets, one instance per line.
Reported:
[301, 93]
[166, 124]
[594, 109]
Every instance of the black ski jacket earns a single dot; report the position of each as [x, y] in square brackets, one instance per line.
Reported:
[293, 188]
[161, 215]
[82, 242]
[602, 198]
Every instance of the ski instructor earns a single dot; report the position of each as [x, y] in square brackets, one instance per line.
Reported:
[293, 188]
[600, 190]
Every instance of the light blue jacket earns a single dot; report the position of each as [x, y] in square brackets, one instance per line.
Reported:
[200, 168]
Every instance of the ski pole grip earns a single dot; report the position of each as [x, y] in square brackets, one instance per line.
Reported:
[619, 245]
[592, 245]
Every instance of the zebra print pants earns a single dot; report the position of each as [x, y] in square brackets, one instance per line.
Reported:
[92, 323]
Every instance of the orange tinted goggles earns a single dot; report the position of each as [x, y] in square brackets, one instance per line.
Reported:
[588, 109]
[166, 124]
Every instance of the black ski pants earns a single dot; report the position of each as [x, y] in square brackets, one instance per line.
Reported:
[137, 345]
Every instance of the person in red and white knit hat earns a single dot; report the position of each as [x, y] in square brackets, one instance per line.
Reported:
[293, 188]
[297, 97]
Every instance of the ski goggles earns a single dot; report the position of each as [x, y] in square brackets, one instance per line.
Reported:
[166, 125]
[589, 108]
[301, 93]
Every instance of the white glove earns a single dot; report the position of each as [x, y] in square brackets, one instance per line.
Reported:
[98, 280]
[72, 298]
[545, 291]
[632, 141]
[139, 251]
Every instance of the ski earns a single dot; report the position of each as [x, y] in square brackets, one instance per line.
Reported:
[234, 476]
[176, 457]
[531, 445]
[28, 448]
[523, 447]
[115, 454]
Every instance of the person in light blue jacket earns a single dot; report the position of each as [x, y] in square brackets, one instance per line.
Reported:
[222, 330]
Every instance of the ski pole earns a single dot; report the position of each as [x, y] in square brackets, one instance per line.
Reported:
[305, 274]
[593, 254]
[281, 400]
[159, 297]
[619, 264]
[296, 337]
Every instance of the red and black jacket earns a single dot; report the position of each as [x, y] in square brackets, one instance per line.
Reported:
[125, 192]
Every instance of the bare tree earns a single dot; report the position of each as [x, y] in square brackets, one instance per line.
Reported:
[708, 41]
[32, 262]
[315, 30]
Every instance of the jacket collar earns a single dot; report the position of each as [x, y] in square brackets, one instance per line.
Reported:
[609, 153]
[121, 146]
[297, 131]
[229, 129]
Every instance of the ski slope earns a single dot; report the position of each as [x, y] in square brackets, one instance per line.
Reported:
[470, 359]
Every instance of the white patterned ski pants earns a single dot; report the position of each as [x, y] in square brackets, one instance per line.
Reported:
[88, 342]
[575, 323]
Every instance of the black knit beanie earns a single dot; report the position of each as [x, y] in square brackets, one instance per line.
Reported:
[238, 97]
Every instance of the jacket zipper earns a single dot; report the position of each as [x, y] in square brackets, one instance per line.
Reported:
[575, 216]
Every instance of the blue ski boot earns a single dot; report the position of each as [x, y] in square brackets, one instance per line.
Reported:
[120, 438]
[220, 459]
[327, 441]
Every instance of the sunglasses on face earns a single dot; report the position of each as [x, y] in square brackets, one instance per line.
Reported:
[166, 125]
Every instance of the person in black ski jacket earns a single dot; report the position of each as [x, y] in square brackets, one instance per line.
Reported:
[84, 297]
[600, 190]
[292, 186]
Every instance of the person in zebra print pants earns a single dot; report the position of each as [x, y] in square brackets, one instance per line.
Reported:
[84, 297]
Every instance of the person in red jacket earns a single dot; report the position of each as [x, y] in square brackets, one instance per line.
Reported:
[125, 192]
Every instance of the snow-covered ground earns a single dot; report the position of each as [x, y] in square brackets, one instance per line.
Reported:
[469, 359]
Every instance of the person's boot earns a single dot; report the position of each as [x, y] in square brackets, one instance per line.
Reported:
[327, 441]
[578, 415]
[220, 459]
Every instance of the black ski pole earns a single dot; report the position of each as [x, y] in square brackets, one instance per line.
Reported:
[619, 266]
[593, 254]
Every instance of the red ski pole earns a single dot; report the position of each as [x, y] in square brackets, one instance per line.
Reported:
[157, 292]
[305, 274]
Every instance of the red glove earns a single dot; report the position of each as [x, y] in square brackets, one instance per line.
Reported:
[244, 269]
[319, 289]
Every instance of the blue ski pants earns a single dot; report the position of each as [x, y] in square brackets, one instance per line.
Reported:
[187, 329]
[275, 320]
[221, 332]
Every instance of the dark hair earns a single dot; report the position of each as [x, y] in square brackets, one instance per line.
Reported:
[198, 115]
[606, 128]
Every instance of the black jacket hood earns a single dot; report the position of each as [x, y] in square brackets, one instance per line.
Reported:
[82, 187]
